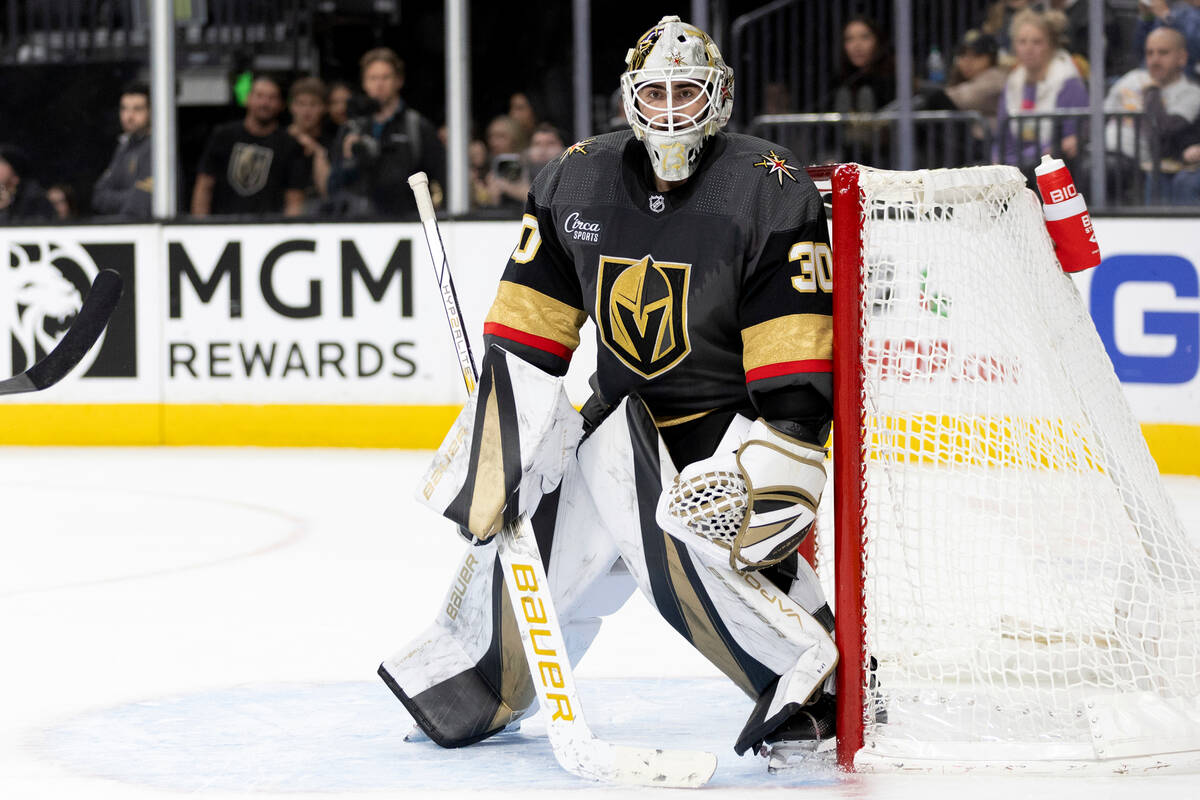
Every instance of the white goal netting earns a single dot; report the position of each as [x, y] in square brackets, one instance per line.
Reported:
[1028, 590]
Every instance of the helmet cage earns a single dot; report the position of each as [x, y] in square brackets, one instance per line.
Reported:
[673, 114]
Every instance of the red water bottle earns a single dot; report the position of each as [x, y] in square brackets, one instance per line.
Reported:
[1067, 217]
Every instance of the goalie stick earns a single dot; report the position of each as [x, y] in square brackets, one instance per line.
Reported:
[575, 746]
[84, 331]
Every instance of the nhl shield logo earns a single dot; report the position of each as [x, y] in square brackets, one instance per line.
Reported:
[641, 306]
[657, 203]
[249, 166]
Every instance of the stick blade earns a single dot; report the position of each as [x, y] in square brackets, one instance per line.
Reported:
[637, 766]
[89, 324]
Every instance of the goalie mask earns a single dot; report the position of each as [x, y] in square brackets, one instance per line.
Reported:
[677, 91]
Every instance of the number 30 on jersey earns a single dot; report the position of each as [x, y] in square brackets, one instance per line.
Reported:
[816, 267]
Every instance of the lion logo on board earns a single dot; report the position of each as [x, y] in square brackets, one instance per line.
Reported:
[41, 292]
[641, 305]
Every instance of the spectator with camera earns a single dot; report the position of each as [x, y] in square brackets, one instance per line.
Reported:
[507, 180]
[252, 166]
[127, 187]
[22, 198]
[382, 143]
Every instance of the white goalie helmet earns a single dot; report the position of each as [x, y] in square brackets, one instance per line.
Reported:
[678, 91]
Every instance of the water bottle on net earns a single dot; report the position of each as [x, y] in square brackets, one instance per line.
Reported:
[1067, 218]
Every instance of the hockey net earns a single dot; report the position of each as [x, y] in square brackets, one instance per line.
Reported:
[1014, 587]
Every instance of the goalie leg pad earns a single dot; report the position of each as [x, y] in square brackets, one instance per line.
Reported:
[465, 677]
[509, 446]
[746, 626]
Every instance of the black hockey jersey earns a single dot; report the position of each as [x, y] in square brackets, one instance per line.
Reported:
[713, 296]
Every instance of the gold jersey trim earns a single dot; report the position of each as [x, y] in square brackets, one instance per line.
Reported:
[666, 422]
[795, 337]
[532, 312]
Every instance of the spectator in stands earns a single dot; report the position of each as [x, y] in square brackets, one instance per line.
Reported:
[62, 198]
[306, 102]
[507, 181]
[22, 199]
[478, 164]
[1045, 79]
[1183, 15]
[977, 81]
[382, 144]
[1171, 106]
[252, 165]
[520, 109]
[339, 95]
[126, 188]
[997, 20]
[546, 145]
[777, 98]
[1185, 188]
[867, 77]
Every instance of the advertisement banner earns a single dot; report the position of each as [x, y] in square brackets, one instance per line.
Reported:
[327, 333]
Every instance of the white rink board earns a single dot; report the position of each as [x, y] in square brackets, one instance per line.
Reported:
[377, 355]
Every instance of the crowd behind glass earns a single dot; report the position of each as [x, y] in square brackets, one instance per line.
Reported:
[304, 148]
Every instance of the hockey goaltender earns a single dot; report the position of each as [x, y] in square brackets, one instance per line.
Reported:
[697, 465]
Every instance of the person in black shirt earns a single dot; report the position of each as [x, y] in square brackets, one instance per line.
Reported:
[381, 145]
[22, 199]
[127, 186]
[252, 166]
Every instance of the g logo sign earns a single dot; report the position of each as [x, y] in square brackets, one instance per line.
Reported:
[1139, 279]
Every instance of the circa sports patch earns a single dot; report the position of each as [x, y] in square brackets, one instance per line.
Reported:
[641, 309]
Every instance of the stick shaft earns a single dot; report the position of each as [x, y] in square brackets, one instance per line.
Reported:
[441, 266]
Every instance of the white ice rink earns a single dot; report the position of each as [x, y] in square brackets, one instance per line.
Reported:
[207, 622]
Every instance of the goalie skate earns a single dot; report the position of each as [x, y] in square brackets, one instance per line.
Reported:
[809, 732]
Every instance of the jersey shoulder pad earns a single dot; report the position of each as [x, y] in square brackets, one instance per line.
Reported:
[768, 178]
[586, 171]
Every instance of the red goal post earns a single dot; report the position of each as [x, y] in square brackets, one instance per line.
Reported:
[1013, 588]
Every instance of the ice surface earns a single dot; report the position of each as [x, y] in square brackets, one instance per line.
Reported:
[208, 622]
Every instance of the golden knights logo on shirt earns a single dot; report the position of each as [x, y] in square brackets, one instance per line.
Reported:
[641, 307]
[249, 166]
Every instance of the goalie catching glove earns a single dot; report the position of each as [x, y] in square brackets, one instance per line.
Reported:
[753, 506]
[509, 446]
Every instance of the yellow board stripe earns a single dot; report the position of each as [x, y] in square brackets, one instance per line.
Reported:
[1018, 442]
[1023, 443]
[411, 427]
[1176, 448]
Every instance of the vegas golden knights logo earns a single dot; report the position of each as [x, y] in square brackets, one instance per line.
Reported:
[641, 306]
[249, 166]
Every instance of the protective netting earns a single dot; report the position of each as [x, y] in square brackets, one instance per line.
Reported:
[1029, 592]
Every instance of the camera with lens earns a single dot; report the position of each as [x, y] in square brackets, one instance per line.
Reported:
[507, 166]
[359, 110]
